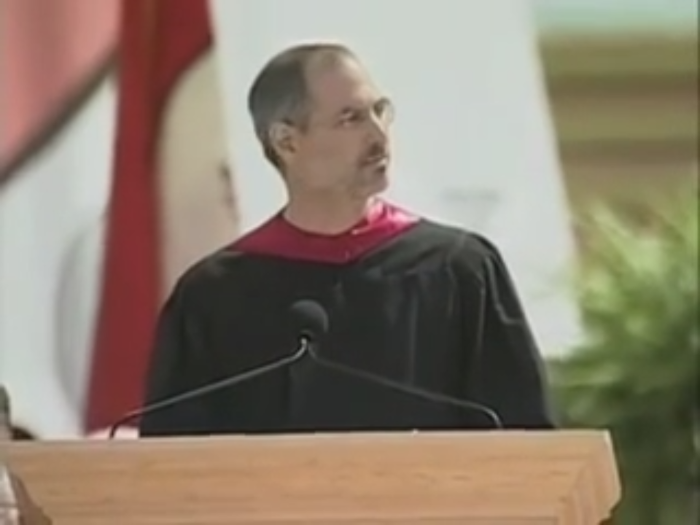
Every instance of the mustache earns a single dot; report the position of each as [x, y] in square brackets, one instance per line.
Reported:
[377, 151]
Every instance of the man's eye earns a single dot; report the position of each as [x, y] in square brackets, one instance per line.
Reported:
[351, 118]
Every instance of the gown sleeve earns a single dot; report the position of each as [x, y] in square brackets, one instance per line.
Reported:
[178, 365]
[506, 370]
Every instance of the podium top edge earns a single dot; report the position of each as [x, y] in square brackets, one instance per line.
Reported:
[590, 436]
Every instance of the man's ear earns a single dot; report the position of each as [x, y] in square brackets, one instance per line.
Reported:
[283, 139]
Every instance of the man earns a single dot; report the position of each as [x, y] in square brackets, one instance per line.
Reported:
[407, 299]
[16, 505]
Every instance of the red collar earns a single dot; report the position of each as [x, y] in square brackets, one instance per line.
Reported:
[278, 238]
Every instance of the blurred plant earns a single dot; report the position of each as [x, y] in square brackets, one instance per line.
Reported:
[638, 372]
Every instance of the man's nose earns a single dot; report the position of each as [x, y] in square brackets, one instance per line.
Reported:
[379, 130]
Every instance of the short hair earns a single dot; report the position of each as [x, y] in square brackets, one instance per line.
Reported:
[279, 93]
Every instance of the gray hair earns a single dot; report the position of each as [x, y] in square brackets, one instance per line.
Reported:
[279, 92]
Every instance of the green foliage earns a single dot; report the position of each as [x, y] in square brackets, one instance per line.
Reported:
[638, 373]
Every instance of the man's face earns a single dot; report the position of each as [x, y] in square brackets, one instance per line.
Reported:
[344, 149]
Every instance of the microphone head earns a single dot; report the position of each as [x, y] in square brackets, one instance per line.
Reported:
[310, 318]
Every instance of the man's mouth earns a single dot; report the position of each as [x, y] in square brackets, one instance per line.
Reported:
[377, 160]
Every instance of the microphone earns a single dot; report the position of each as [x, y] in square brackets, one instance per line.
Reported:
[314, 317]
[311, 318]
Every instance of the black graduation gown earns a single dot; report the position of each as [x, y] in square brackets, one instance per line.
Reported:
[433, 307]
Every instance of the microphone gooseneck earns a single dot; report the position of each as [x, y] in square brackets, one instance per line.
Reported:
[301, 352]
[410, 390]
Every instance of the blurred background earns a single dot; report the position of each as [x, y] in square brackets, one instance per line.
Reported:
[566, 130]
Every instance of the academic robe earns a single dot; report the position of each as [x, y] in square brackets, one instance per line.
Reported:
[408, 299]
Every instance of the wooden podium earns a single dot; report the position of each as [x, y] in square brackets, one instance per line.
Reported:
[471, 478]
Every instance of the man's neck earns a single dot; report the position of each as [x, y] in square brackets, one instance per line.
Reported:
[327, 216]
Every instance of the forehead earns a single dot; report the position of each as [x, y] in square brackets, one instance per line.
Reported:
[339, 82]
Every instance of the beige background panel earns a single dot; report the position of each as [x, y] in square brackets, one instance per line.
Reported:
[197, 212]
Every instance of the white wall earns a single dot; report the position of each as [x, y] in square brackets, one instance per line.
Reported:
[43, 211]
